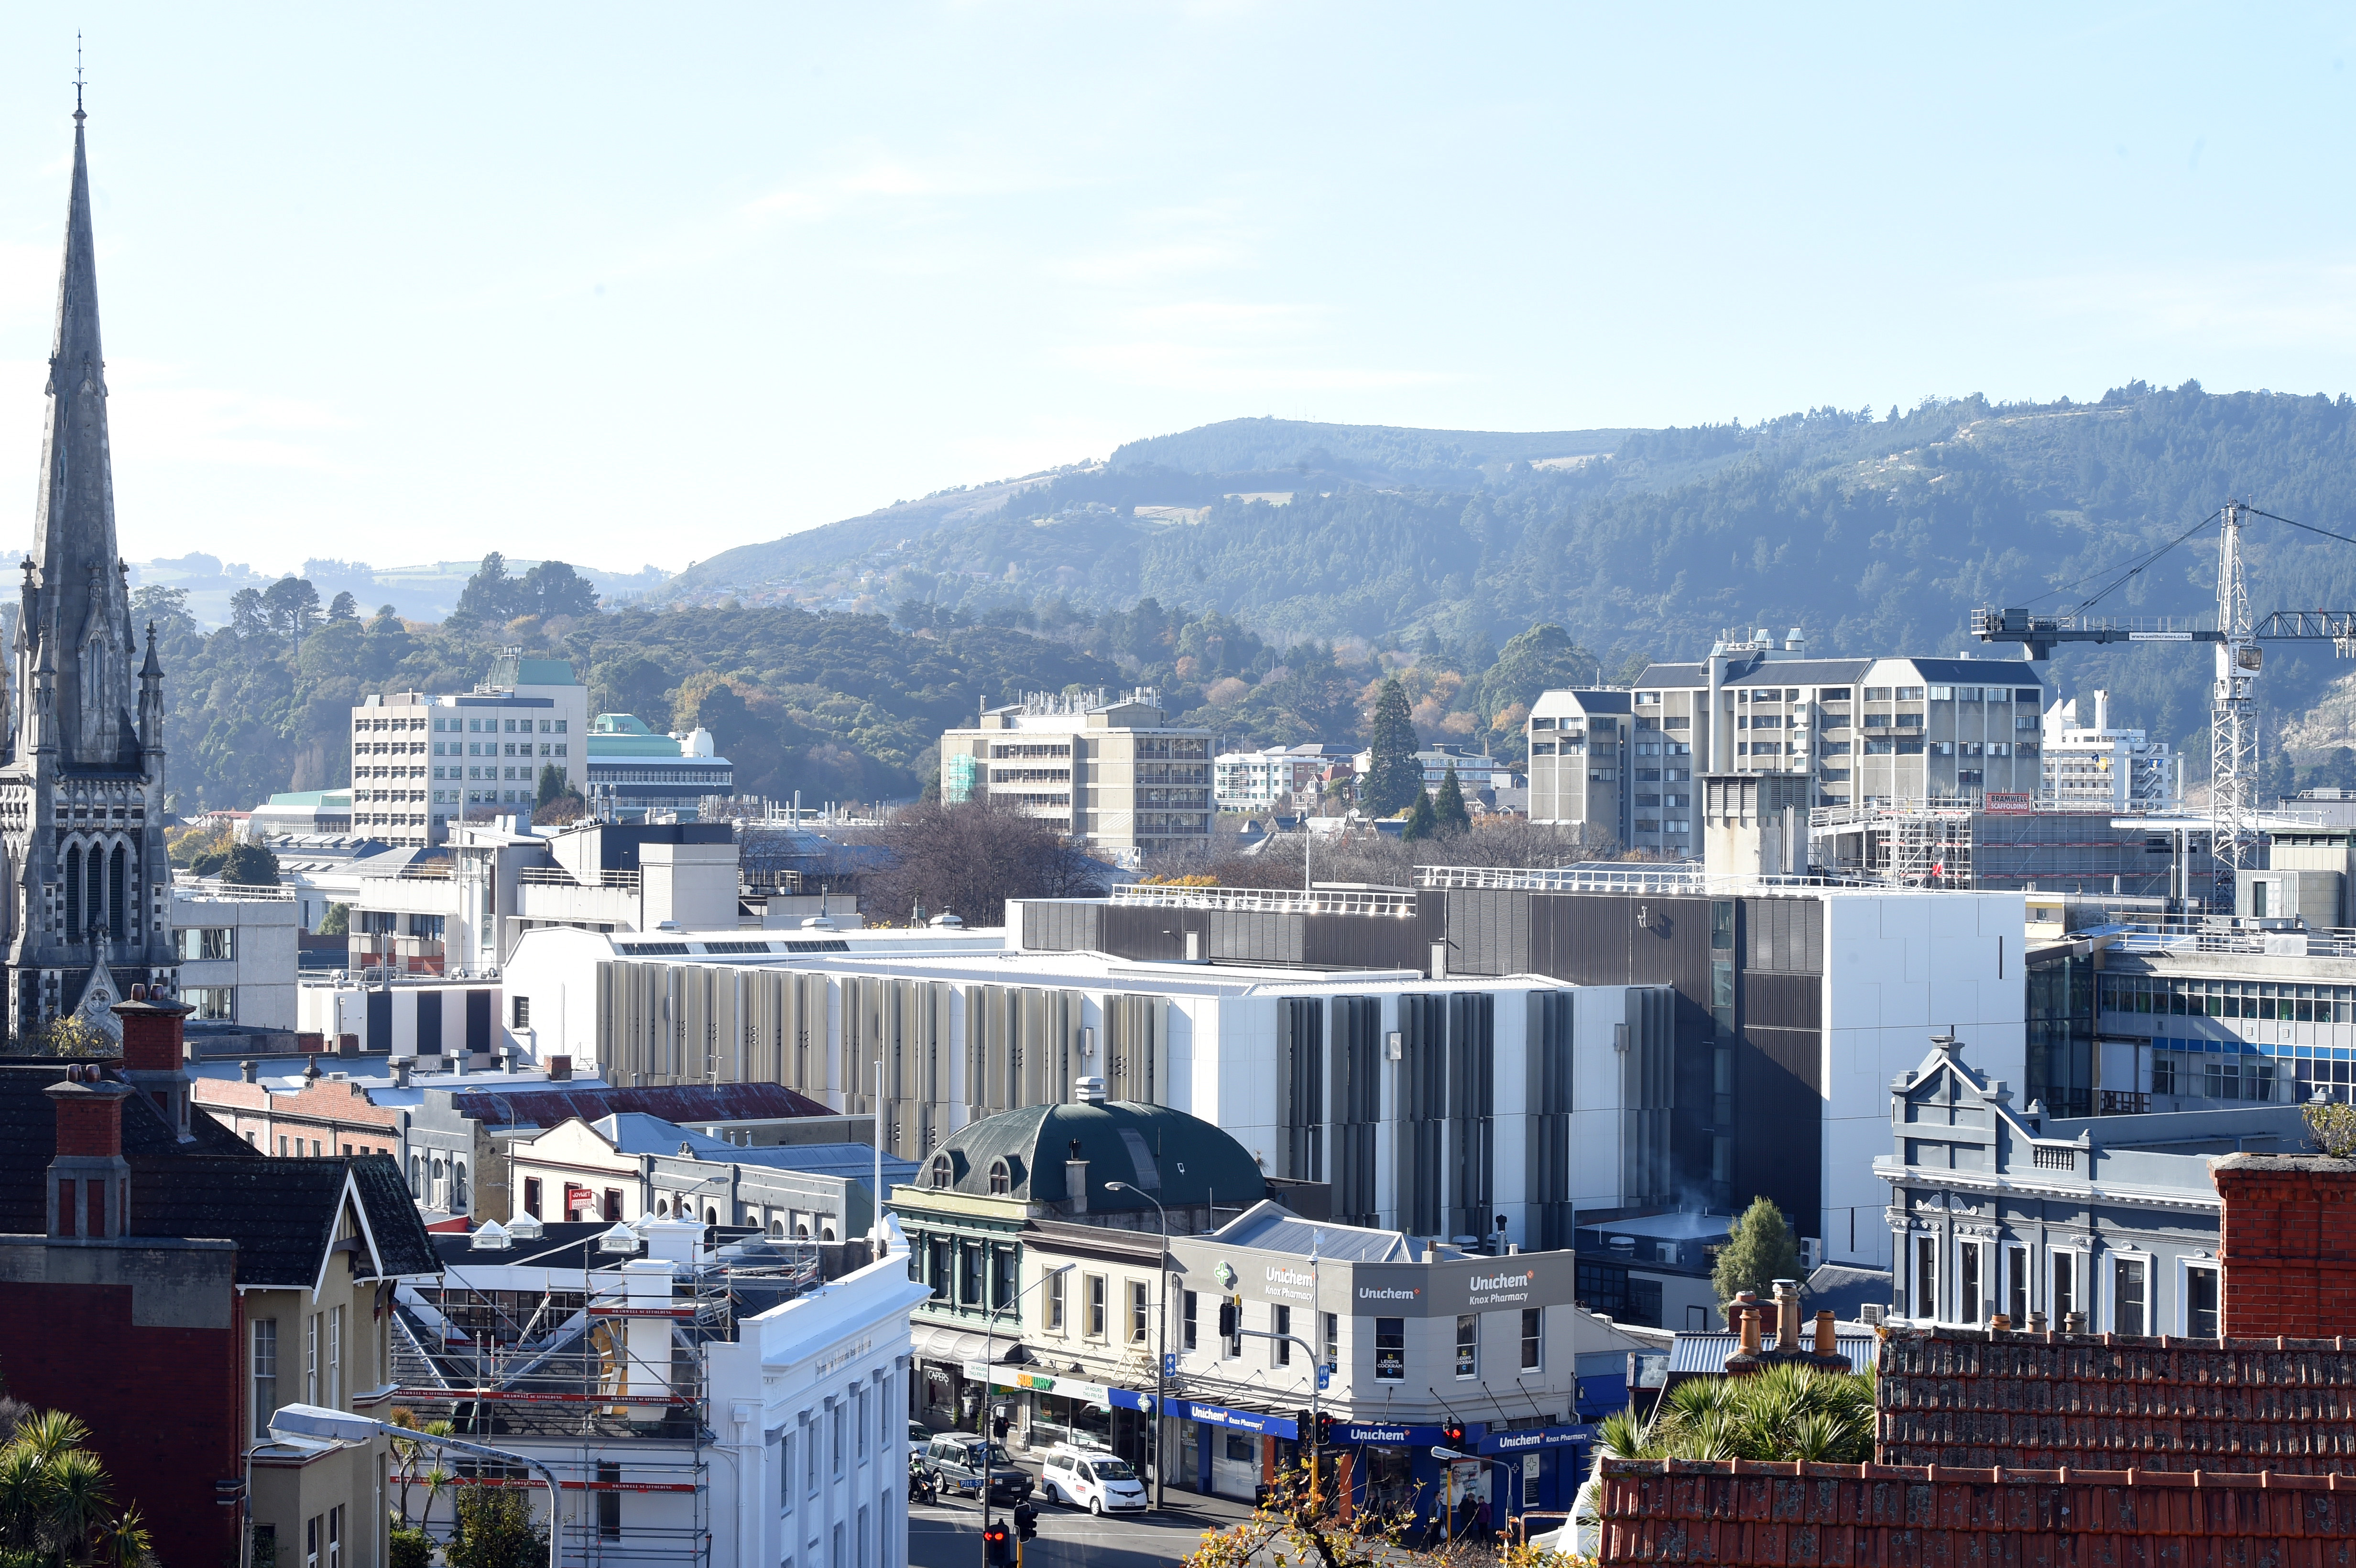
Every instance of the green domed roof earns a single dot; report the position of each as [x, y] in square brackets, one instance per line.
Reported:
[1175, 1158]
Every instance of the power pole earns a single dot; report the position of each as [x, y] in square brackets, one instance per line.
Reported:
[2232, 722]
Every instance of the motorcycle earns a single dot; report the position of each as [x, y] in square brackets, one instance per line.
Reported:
[924, 1481]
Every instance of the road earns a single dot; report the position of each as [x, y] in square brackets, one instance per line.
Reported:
[948, 1534]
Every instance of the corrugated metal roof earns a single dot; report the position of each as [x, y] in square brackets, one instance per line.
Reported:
[1735, 1514]
[1275, 1230]
[1707, 1353]
[682, 1102]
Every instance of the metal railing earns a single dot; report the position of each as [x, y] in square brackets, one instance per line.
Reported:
[555, 877]
[1269, 900]
[1633, 876]
[2219, 934]
[187, 886]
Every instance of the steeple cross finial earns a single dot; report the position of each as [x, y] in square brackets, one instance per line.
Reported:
[78, 113]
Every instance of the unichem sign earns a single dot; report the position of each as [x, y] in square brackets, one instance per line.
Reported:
[1496, 1289]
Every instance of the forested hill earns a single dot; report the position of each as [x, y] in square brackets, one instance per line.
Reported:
[1874, 532]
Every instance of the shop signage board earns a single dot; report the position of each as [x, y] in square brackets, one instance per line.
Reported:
[1239, 1420]
[1023, 1381]
[1386, 1434]
[1526, 1439]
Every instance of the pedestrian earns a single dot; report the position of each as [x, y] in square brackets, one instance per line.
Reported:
[1481, 1519]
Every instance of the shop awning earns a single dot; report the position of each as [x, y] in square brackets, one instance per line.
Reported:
[1529, 1439]
[957, 1345]
[1241, 1420]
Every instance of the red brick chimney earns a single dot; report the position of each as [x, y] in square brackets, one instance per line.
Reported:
[89, 1196]
[153, 1053]
[2287, 1244]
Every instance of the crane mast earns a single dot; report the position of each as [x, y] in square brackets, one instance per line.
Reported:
[2233, 721]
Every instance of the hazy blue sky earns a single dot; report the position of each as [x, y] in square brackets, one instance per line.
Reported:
[634, 284]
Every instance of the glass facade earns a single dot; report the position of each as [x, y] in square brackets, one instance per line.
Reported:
[2062, 1035]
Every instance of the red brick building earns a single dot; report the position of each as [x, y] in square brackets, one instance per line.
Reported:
[142, 1248]
[326, 1115]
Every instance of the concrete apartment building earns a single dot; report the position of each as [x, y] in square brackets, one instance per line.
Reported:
[1858, 731]
[1112, 774]
[237, 947]
[2089, 762]
[421, 761]
[1578, 764]
[1258, 781]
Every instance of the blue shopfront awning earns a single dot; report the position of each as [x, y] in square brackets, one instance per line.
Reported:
[1241, 1420]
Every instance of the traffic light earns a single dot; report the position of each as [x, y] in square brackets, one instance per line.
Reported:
[1026, 1519]
[1452, 1434]
[1324, 1429]
[1230, 1318]
[997, 1545]
[1305, 1425]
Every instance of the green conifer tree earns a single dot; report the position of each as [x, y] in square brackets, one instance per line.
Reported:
[1450, 807]
[1392, 779]
[1758, 1252]
[1422, 822]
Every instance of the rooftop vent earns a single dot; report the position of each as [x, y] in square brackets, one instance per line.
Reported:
[1090, 1090]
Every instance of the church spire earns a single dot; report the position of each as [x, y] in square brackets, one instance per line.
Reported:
[73, 526]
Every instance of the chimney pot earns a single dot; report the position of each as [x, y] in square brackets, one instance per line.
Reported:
[248, 1070]
[1076, 1184]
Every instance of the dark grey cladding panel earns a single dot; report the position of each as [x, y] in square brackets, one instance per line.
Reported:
[1057, 927]
[1782, 1001]
[1784, 935]
[1488, 932]
[1245, 936]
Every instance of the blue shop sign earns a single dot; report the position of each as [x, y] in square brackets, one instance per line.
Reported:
[1529, 1439]
[1122, 1398]
[1385, 1433]
[1241, 1420]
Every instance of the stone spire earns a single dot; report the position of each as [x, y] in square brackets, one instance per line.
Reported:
[83, 619]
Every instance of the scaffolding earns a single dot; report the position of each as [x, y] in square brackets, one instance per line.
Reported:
[596, 1373]
[1901, 843]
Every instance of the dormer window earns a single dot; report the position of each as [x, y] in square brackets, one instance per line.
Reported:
[942, 1172]
[1001, 1178]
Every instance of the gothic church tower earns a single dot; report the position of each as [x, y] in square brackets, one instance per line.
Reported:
[85, 889]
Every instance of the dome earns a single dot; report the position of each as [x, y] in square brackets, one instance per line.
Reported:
[1177, 1159]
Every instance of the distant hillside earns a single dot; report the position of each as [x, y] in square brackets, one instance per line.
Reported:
[1876, 534]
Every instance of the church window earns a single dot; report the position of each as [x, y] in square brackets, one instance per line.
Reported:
[73, 894]
[94, 911]
[117, 865]
[93, 678]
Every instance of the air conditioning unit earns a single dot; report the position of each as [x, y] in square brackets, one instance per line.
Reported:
[1812, 1252]
[1872, 1312]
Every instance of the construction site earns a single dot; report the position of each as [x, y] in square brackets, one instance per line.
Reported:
[583, 1347]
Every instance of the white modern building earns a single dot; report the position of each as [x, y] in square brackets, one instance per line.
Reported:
[237, 951]
[1259, 780]
[421, 761]
[2090, 761]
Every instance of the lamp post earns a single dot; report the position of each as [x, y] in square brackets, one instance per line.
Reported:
[1161, 1332]
[317, 1421]
[988, 1358]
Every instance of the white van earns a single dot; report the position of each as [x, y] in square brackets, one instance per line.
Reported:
[1092, 1478]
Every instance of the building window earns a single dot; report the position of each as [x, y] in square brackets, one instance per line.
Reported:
[1968, 1282]
[311, 1359]
[2130, 1295]
[1095, 1328]
[1390, 1349]
[1468, 1345]
[2065, 1287]
[201, 943]
[265, 1374]
[336, 1358]
[1187, 1321]
[785, 1449]
[1002, 1272]
[2201, 1302]
[1138, 1319]
[609, 1502]
[943, 1172]
[213, 1004]
[2016, 1264]
[1926, 1276]
[970, 1275]
[1533, 1338]
[1056, 1303]
[1281, 1350]
[531, 1196]
[1001, 1178]
[939, 1252]
[523, 1005]
[613, 1197]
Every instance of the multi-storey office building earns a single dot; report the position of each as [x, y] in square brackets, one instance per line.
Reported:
[1114, 774]
[1580, 765]
[634, 771]
[1790, 1007]
[1858, 730]
[421, 761]
[2088, 762]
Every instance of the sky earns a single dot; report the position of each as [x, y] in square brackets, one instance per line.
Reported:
[631, 285]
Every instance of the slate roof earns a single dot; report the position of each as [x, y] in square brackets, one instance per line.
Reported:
[282, 1214]
[1842, 1289]
[28, 1138]
[682, 1102]
[1177, 1158]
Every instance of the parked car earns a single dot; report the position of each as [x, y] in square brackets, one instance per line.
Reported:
[966, 1463]
[1091, 1478]
[920, 1436]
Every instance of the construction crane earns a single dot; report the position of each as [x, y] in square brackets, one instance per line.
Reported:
[2233, 721]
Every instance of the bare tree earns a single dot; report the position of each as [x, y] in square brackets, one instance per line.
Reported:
[968, 859]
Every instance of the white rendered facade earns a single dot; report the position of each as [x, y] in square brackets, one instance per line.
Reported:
[2089, 763]
[237, 947]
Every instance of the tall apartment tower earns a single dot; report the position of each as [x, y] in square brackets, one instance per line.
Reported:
[85, 886]
[1113, 774]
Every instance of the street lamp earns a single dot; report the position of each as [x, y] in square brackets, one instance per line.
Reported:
[320, 1424]
[1160, 1331]
[1450, 1455]
[988, 1359]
